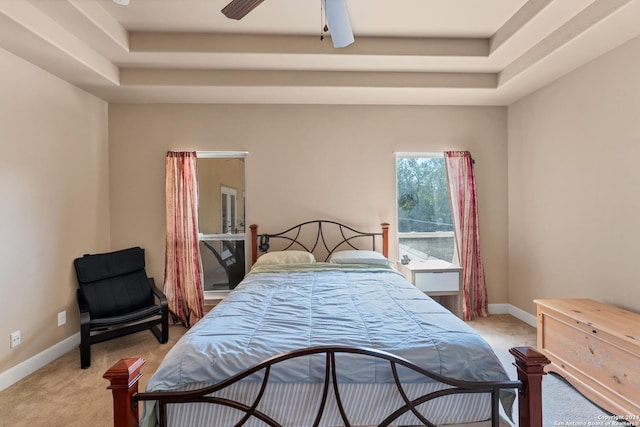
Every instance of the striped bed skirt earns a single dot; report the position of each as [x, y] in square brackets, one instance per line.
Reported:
[297, 405]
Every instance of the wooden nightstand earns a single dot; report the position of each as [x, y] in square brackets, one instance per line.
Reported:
[439, 279]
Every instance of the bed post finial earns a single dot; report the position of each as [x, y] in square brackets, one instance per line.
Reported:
[530, 366]
[124, 376]
[385, 239]
[254, 243]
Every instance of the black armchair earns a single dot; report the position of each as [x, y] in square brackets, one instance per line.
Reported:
[116, 298]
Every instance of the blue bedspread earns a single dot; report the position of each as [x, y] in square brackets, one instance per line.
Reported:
[292, 307]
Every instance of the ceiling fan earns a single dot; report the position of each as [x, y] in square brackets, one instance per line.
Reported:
[335, 11]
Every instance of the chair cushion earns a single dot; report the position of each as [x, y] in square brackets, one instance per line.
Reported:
[91, 268]
[118, 295]
[114, 283]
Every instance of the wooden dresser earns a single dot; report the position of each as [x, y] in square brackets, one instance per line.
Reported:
[596, 347]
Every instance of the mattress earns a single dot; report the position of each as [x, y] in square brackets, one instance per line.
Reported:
[282, 308]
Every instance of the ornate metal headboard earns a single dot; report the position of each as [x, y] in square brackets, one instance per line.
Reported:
[296, 238]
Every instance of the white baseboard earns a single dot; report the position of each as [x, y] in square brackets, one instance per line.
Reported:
[516, 312]
[526, 317]
[18, 372]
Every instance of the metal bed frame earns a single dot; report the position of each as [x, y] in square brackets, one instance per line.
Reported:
[292, 238]
[530, 364]
[125, 374]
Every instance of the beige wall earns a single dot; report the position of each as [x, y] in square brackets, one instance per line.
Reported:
[54, 190]
[304, 162]
[574, 179]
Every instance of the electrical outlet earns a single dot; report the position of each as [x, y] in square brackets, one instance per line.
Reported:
[62, 318]
[16, 339]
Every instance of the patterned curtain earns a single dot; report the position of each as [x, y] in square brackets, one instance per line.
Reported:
[464, 210]
[182, 265]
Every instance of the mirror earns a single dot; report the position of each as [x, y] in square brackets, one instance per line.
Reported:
[221, 193]
[221, 220]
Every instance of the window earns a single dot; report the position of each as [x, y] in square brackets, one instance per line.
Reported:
[425, 228]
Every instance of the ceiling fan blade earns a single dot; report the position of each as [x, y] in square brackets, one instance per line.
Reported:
[339, 24]
[237, 9]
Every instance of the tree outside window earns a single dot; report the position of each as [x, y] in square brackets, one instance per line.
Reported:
[425, 228]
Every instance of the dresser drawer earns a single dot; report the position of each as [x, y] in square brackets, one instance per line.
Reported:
[437, 281]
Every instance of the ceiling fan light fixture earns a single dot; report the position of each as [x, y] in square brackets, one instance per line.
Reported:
[121, 2]
[237, 9]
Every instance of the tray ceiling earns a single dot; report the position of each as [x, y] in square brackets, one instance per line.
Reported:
[414, 52]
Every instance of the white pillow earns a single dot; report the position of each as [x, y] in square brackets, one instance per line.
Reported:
[285, 257]
[360, 257]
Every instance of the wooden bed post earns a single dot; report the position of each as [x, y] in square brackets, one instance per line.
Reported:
[124, 376]
[254, 243]
[385, 239]
[530, 366]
